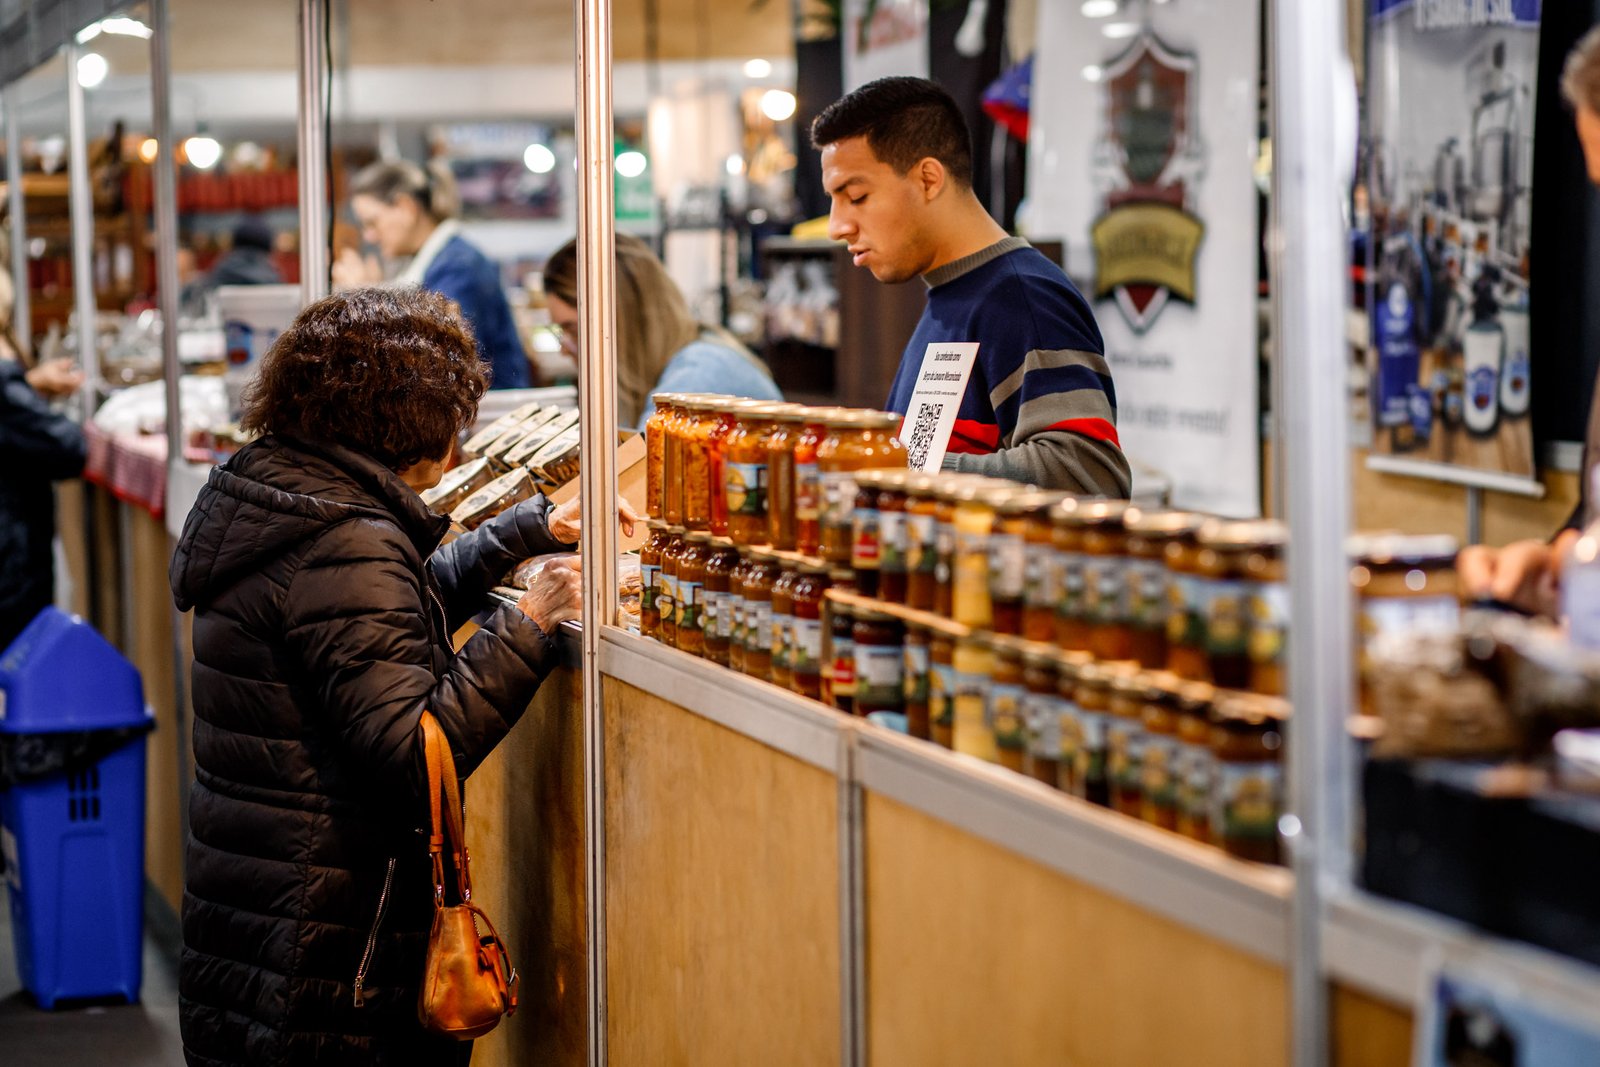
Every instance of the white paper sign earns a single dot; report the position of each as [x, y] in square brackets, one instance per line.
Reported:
[893, 41]
[941, 383]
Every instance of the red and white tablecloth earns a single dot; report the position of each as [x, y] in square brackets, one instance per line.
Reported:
[132, 467]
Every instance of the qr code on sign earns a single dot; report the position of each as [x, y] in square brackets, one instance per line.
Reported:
[921, 440]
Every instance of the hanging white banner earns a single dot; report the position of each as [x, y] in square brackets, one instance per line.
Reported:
[1142, 140]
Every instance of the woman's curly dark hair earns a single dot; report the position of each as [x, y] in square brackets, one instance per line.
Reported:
[393, 373]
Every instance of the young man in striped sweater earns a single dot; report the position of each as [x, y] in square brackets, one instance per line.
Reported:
[1039, 406]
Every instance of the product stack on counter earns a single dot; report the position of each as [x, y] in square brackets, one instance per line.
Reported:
[1133, 658]
[529, 450]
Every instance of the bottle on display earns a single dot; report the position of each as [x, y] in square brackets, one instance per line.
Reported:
[1397, 329]
[1483, 347]
[1515, 374]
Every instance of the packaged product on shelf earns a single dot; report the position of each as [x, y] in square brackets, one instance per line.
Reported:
[650, 578]
[1186, 621]
[945, 493]
[781, 442]
[893, 549]
[839, 676]
[970, 731]
[1066, 533]
[457, 485]
[717, 617]
[501, 448]
[805, 652]
[727, 420]
[942, 689]
[977, 506]
[556, 462]
[866, 544]
[1041, 712]
[1404, 584]
[1105, 592]
[1148, 580]
[745, 475]
[689, 592]
[737, 580]
[856, 441]
[758, 584]
[1237, 562]
[918, 662]
[667, 596]
[808, 480]
[879, 643]
[486, 436]
[1069, 723]
[1007, 693]
[655, 446]
[1247, 733]
[1125, 741]
[699, 424]
[672, 447]
[1088, 747]
[1196, 767]
[1158, 776]
[922, 543]
[783, 622]
[500, 494]
[1029, 515]
[531, 443]
[1008, 558]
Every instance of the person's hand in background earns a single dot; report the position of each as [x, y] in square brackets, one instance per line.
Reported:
[351, 270]
[566, 520]
[55, 378]
[1524, 574]
[556, 594]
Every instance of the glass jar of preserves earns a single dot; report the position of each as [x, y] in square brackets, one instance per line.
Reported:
[1041, 713]
[1247, 800]
[977, 506]
[971, 732]
[655, 441]
[1041, 571]
[1093, 699]
[1224, 592]
[700, 421]
[918, 663]
[856, 441]
[839, 671]
[1066, 535]
[782, 485]
[808, 480]
[717, 617]
[866, 546]
[1069, 666]
[1008, 558]
[1148, 583]
[672, 459]
[1007, 693]
[1105, 590]
[783, 622]
[947, 491]
[1159, 773]
[667, 598]
[727, 420]
[758, 584]
[1125, 741]
[1403, 584]
[1186, 622]
[880, 662]
[650, 578]
[1196, 767]
[689, 593]
[745, 475]
[942, 688]
[737, 579]
[922, 543]
[805, 647]
[893, 548]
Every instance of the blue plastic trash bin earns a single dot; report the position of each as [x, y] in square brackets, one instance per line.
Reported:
[74, 842]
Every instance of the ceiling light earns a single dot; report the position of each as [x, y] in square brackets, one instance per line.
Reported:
[735, 165]
[202, 151]
[758, 68]
[1119, 30]
[1093, 72]
[778, 104]
[149, 149]
[92, 69]
[631, 164]
[1099, 9]
[539, 159]
[117, 25]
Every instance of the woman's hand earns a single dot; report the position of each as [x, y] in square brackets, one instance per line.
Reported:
[566, 520]
[556, 595]
[56, 377]
[352, 271]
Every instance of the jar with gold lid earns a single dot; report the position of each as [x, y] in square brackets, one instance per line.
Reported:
[1041, 712]
[700, 421]
[1234, 560]
[977, 509]
[808, 479]
[1247, 734]
[879, 641]
[717, 618]
[805, 652]
[727, 420]
[782, 672]
[674, 433]
[1105, 593]
[942, 688]
[655, 437]
[970, 730]
[1092, 694]
[1403, 584]
[1196, 768]
[782, 443]
[839, 663]
[1186, 615]
[1147, 579]
[857, 440]
[689, 593]
[866, 544]
[893, 547]
[1007, 693]
[1008, 557]
[758, 581]
[745, 474]
[918, 663]
[1041, 570]
[1158, 774]
[922, 540]
[650, 578]
[1070, 725]
[667, 598]
[1066, 535]
[1125, 741]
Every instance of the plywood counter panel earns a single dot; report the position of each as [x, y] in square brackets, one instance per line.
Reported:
[976, 955]
[722, 896]
[1368, 1032]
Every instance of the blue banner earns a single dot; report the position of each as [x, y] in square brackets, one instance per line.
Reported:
[1461, 14]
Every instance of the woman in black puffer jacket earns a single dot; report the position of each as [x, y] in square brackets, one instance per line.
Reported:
[323, 613]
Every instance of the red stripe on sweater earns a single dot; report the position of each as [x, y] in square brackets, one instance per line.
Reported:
[1098, 429]
[974, 438]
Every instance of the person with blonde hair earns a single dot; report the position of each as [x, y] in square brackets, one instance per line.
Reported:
[661, 348]
[407, 210]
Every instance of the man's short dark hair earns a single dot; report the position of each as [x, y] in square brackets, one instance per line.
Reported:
[904, 120]
[392, 373]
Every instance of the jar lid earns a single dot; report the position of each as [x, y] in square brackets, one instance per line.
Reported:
[894, 478]
[869, 615]
[711, 401]
[698, 537]
[1248, 533]
[1415, 549]
[1039, 654]
[1160, 522]
[762, 410]
[788, 413]
[1250, 709]
[991, 492]
[1136, 685]
[676, 531]
[865, 419]
[1032, 501]
[762, 553]
[1092, 512]
[921, 484]
[1008, 645]
[813, 566]
[1196, 698]
[841, 575]
[948, 487]
[824, 416]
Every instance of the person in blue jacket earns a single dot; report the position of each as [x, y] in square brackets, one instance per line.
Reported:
[661, 348]
[407, 210]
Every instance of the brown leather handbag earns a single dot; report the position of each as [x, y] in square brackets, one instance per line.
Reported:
[468, 982]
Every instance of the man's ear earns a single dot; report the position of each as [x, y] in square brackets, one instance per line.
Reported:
[931, 175]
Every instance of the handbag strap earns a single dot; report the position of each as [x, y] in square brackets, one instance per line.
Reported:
[446, 833]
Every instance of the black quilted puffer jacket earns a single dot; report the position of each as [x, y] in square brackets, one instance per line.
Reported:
[321, 628]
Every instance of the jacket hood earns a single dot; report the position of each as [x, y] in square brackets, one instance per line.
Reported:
[276, 494]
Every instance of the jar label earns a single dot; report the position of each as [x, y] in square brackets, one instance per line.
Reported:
[1269, 622]
[941, 694]
[687, 596]
[758, 625]
[715, 617]
[807, 491]
[880, 679]
[735, 623]
[922, 544]
[1158, 770]
[1070, 726]
[865, 546]
[1186, 625]
[945, 553]
[1041, 714]
[1195, 770]
[649, 586]
[1146, 581]
[970, 580]
[1007, 566]
[746, 485]
[1089, 761]
[1004, 715]
[1247, 800]
[1125, 741]
[1071, 604]
[917, 662]
[1041, 577]
[782, 641]
[892, 545]
[666, 599]
[971, 732]
[1103, 589]
[844, 666]
[838, 498]
[1223, 605]
[805, 653]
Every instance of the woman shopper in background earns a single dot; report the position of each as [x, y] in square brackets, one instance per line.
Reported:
[660, 346]
[407, 210]
[323, 611]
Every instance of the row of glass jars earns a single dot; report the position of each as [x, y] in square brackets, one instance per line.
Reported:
[1179, 754]
[763, 473]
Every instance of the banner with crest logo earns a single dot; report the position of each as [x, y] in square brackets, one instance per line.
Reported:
[1142, 144]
